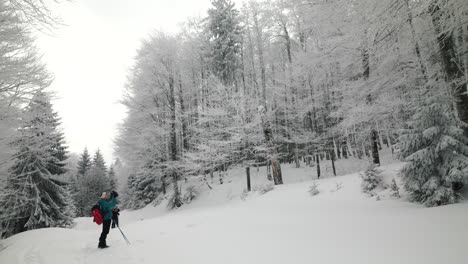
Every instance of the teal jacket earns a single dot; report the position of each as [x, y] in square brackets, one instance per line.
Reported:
[107, 206]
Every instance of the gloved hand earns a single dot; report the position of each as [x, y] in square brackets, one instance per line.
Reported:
[115, 194]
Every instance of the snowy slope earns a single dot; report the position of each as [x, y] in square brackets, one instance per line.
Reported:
[286, 225]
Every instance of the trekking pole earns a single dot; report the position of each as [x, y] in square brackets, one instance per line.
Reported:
[126, 239]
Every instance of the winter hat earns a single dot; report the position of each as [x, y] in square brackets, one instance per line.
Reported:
[103, 195]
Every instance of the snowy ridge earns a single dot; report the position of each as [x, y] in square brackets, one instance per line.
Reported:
[339, 225]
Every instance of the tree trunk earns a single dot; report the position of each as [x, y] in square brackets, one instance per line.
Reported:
[453, 72]
[296, 156]
[375, 147]
[317, 161]
[177, 196]
[184, 118]
[268, 168]
[163, 184]
[261, 59]
[332, 157]
[172, 133]
[277, 175]
[247, 172]
[417, 50]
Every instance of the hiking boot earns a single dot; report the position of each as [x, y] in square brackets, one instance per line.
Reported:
[103, 245]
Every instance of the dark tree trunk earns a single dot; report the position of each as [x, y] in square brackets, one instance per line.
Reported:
[172, 133]
[452, 71]
[247, 172]
[317, 161]
[268, 167]
[332, 157]
[344, 149]
[268, 134]
[277, 175]
[163, 184]
[375, 147]
[365, 63]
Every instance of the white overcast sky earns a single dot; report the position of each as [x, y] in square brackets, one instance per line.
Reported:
[90, 59]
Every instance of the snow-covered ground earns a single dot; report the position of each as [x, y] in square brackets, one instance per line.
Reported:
[285, 225]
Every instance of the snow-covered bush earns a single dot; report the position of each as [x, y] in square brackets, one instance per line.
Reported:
[394, 189]
[436, 151]
[143, 188]
[370, 178]
[313, 189]
[264, 188]
[191, 192]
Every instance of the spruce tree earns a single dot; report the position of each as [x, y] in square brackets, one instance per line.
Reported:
[35, 194]
[112, 178]
[85, 162]
[98, 161]
[90, 185]
[370, 178]
[225, 35]
[394, 189]
[436, 151]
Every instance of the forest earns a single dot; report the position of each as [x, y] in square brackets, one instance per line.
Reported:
[303, 82]
[261, 84]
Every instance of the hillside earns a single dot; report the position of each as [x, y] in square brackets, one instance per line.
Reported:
[339, 225]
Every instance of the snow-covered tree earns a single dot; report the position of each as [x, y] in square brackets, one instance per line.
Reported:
[84, 164]
[394, 189]
[436, 153]
[224, 34]
[371, 178]
[21, 75]
[35, 196]
[143, 188]
[99, 162]
[112, 178]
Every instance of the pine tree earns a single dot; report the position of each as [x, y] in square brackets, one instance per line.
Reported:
[85, 162]
[112, 178]
[370, 178]
[90, 185]
[143, 187]
[225, 36]
[394, 189]
[436, 151]
[34, 196]
[98, 161]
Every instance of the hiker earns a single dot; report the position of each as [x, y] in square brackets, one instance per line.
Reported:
[107, 203]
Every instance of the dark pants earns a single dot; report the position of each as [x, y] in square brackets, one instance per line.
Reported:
[105, 230]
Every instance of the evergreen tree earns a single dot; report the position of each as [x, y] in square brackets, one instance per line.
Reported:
[436, 151]
[394, 189]
[143, 189]
[93, 184]
[112, 178]
[90, 185]
[34, 196]
[370, 178]
[98, 161]
[224, 32]
[85, 162]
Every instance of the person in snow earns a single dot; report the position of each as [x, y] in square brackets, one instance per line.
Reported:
[107, 203]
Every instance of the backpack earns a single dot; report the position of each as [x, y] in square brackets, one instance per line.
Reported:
[96, 213]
